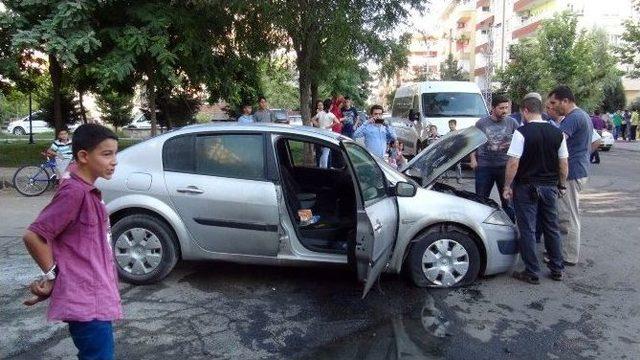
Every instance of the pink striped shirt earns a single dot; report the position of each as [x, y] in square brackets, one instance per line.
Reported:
[76, 227]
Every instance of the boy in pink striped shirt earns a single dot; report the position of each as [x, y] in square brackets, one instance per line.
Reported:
[70, 241]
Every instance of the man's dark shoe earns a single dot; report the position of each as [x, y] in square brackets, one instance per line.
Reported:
[567, 263]
[526, 277]
[556, 275]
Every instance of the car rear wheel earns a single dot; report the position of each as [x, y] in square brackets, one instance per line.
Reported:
[446, 257]
[19, 131]
[145, 249]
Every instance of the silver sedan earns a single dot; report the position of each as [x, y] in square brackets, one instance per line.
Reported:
[255, 194]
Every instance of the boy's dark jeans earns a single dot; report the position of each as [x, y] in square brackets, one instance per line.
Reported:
[528, 200]
[93, 339]
[486, 177]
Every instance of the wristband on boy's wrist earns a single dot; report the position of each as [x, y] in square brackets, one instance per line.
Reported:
[52, 273]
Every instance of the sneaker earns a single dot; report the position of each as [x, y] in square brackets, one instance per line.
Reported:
[556, 275]
[526, 277]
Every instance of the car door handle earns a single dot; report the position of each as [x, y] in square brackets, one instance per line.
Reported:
[190, 190]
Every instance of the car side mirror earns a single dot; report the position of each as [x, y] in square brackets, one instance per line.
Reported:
[405, 189]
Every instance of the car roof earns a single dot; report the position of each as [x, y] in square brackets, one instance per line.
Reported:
[437, 86]
[261, 127]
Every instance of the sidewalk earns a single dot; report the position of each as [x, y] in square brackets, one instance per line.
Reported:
[6, 176]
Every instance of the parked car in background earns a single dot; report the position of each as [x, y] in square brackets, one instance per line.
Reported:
[38, 126]
[607, 140]
[295, 120]
[244, 193]
[417, 106]
[139, 122]
[280, 116]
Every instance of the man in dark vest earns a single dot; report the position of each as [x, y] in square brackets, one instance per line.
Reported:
[537, 167]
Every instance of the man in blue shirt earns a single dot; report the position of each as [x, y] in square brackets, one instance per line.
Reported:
[578, 129]
[376, 133]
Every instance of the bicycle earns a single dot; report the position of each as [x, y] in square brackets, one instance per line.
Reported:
[33, 180]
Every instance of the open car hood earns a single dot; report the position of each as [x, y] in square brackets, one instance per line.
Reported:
[443, 154]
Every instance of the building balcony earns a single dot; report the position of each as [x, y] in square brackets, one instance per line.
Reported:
[485, 22]
[482, 3]
[481, 71]
[526, 30]
[524, 5]
[481, 49]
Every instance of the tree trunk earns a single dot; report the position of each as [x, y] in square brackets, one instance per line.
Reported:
[304, 83]
[82, 111]
[55, 71]
[151, 98]
[314, 95]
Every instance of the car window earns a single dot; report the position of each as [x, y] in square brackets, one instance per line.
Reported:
[238, 156]
[452, 104]
[370, 176]
[296, 148]
[177, 154]
[401, 106]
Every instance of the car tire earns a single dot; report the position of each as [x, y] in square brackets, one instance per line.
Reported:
[18, 130]
[457, 242]
[126, 245]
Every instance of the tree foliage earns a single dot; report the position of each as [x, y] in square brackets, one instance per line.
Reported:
[560, 54]
[451, 71]
[629, 50]
[69, 106]
[116, 107]
[614, 97]
[61, 29]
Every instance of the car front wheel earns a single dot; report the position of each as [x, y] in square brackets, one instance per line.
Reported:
[446, 257]
[19, 131]
[144, 248]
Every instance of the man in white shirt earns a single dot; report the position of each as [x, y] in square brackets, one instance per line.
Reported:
[537, 167]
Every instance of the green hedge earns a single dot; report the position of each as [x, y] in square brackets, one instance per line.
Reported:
[15, 154]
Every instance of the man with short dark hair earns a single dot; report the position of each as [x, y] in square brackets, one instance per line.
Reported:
[578, 130]
[263, 114]
[537, 166]
[490, 159]
[376, 133]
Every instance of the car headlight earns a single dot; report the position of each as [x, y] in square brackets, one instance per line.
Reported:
[498, 217]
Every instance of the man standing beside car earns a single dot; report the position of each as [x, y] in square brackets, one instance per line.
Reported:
[376, 133]
[490, 159]
[538, 168]
[263, 114]
[578, 130]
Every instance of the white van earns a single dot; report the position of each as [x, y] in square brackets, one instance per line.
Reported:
[416, 106]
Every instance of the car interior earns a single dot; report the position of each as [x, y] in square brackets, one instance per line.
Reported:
[325, 195]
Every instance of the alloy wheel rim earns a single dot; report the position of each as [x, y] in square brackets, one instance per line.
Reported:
[138, 251]
[445, 262]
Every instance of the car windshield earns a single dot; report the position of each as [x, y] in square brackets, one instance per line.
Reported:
[453, 104]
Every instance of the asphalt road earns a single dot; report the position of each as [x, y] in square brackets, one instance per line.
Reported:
[220, 310]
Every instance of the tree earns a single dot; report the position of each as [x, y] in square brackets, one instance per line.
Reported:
[116, 107]
[450, 71]
[320, 38]
[278, 83]
[629, 50]
[635, 104]
[69, 106]
[175, 107]
[188, 46]
[614, 97]
[560, 54]
[60, 29]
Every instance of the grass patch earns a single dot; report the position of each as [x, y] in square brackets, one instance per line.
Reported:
[40, 136]
[18, 153]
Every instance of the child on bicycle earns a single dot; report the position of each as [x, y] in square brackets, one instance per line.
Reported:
[60, 149]
[71, 242]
